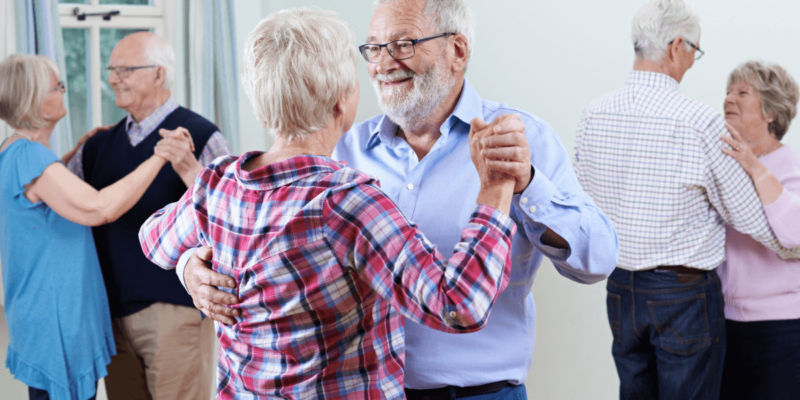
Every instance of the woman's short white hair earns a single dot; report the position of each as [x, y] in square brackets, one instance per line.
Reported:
[297, 64]
[24, 81]
[660, 21]
[160, 53]
[449, 16]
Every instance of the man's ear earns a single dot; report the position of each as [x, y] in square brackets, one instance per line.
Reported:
[460, 53]
[677, 44]
[161, 75]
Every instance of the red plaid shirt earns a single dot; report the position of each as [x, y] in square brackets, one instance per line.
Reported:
[325, 266]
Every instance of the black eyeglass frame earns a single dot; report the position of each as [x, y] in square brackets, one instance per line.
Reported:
[702, 53]
[413, 42]
[128, 70]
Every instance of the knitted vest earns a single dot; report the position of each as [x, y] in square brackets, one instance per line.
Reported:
[132, 281]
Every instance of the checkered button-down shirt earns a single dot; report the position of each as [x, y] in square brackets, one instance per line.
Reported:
[216, 146]
[651, 160]
[326, 266]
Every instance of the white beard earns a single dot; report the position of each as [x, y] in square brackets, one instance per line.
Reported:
[411, 110]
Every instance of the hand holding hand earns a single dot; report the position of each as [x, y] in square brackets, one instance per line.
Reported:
[479, 131]
[177, 147]
[506, 150]
[201, 284]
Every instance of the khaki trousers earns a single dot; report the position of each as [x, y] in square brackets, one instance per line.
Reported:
[164, 352]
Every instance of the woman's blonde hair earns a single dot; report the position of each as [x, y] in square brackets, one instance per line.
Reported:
[776, 89]
[24, 81]
[297, 64]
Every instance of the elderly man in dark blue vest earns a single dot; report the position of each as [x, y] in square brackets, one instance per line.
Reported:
[164, 345]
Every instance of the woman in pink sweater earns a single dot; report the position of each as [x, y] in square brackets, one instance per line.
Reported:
[762, 291]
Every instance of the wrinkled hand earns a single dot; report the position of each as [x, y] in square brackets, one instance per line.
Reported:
[201, 284]
[478, 132]
[742, 152]
[86, 136]
[508, 152]
[177, 147]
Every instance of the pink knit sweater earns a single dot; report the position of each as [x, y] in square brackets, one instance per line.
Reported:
[758, 285]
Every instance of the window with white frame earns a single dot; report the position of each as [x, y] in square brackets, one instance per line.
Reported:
[91, 29]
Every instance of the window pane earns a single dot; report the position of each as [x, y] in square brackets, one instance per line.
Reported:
[129, 2]
[76, 56]
[73, 1]
[108, 39]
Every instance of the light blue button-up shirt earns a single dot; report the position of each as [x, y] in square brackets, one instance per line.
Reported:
[439, 192]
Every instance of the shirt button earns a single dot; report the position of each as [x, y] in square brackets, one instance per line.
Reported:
[532, 209]
[524, 200]
[410, 186]
[453, 314]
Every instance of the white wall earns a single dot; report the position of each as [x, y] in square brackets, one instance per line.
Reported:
[552, 58]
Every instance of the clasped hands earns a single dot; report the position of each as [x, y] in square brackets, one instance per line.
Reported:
[500, 151]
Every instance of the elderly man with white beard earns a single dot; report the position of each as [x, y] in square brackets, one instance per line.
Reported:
[417, 53]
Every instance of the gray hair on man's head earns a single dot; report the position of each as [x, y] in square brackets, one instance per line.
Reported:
[449, 16]
[660, 21]
[775, 88]
[24, 81]
[297, 64]
[160, 53]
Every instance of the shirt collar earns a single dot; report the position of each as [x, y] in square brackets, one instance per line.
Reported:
[153, 120]
[468, 107]
[655, 79]
[282, 173]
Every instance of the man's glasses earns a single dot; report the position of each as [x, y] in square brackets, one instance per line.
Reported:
[60, 87]
[124, 72]
[697, 55]
[398, 49]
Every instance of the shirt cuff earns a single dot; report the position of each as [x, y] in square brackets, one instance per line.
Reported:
[182, 265]
[536, 197]
[492, 217]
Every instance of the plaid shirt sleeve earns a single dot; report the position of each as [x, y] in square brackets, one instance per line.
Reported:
[75, 164]
[369, 234]
[174, 229]
[732, 193]
[216, 146]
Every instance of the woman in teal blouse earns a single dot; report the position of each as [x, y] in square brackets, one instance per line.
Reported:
[55, 299]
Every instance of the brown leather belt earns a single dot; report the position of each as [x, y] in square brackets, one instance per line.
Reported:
[461, 392]
[679, 269]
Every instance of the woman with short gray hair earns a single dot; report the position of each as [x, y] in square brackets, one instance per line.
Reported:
[325, 264]
[762, 291]
[55, 299]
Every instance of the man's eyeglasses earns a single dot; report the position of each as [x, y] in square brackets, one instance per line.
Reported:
[60, 87]
[398, 49]
[697, 55]
[124, 72]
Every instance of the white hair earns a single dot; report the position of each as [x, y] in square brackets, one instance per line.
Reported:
[660, 21]
[24, 81]
[297, 64]
[160, 53]
[449, 16]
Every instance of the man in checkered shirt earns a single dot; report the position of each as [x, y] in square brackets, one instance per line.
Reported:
[651, 160]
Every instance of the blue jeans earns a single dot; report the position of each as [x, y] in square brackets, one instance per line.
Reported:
[762, 360]
[669, 334]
